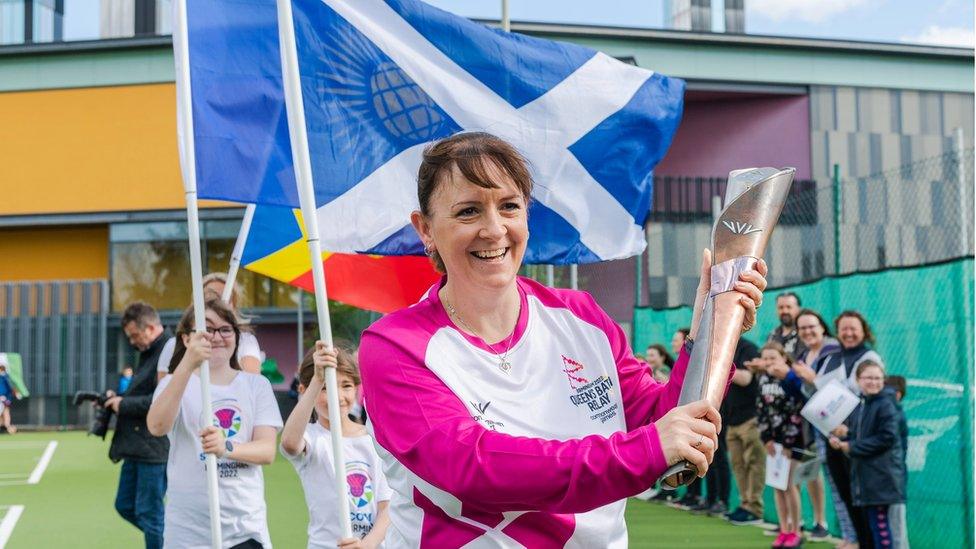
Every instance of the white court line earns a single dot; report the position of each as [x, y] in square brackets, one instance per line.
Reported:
[8, 523]
[35, 476]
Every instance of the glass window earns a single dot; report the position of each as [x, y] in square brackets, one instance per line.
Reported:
[11, 22]
[150, 262]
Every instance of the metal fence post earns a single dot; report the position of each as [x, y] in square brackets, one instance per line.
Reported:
[961, 176]
[838, 213]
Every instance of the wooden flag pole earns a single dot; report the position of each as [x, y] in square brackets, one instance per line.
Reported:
[303, 175]
[235, 256]
[188, 165]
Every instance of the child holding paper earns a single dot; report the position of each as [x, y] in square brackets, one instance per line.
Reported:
[875, 447]
[780, 422]
[308, 446]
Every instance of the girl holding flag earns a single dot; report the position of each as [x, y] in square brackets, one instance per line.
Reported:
[241, 434]
[508, 413]
[308, 447]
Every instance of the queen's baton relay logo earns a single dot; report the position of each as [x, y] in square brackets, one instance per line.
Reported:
[596, 396]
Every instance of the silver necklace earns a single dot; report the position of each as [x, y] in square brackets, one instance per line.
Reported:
[503, 363]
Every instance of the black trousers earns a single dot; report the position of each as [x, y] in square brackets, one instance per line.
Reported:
[719, 477]
[839, 467]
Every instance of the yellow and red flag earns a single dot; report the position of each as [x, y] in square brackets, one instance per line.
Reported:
[276, 248]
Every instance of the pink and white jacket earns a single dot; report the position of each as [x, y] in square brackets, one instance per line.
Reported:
[543, 455]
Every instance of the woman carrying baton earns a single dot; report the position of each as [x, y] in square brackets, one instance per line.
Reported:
[507, 413]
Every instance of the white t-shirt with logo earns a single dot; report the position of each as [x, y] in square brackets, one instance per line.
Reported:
[248, 346]
[364, 475]
[247, 402]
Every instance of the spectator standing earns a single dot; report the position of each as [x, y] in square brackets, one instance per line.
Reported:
[780, 423]
[855, 336]
[7, 395]
[875, 447]
[787, 308]
[744, 445]
[660, 362]
[142, 481]
[818, 342]
[125, 378]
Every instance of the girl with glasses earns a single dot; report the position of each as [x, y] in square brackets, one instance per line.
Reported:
[241, 433]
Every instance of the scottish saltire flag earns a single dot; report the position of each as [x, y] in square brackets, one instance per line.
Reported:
[374, 283]
[381, 79]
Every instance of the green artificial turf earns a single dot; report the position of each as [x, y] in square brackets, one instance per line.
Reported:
[72, 505]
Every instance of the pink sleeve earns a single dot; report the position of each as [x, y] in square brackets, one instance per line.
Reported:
[426, 428]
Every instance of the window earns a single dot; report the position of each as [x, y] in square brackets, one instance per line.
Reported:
[150, 262]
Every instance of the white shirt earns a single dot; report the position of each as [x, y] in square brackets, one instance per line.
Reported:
[364, 474]
[248, 346]
[245, 403]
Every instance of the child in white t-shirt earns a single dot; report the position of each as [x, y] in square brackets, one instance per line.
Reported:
[241, 434]
[308, 446]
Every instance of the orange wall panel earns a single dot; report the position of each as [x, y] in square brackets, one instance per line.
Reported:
[49, 253]
[89, 150]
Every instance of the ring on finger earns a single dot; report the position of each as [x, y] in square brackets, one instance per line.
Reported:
[700, 439]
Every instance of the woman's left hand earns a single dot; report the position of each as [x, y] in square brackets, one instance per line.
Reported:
[751, 285]
[212, 440]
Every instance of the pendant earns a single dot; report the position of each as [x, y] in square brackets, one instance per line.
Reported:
[505, 366]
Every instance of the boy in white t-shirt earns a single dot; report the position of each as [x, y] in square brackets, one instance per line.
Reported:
[308, 446]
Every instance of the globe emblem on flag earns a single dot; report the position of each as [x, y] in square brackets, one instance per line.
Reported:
[360, 489]
[404, 109]
[228, 419]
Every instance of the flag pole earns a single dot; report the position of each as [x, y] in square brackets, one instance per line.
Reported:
[506, 22]
[235, 256]
[303, 175]
[188, 165]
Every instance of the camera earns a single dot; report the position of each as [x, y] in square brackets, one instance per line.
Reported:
[103, 415]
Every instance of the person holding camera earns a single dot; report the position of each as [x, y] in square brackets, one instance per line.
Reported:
[142, 482]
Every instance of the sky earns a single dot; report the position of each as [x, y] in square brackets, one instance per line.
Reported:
[935, 22]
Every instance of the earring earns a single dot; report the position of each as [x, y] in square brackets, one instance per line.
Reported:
[428, 250]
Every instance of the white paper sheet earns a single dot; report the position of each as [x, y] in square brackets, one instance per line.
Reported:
[830, 406]
[778, 469]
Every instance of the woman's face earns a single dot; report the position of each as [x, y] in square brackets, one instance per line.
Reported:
[480, 234]
[216, 287]
[654, 357]
[871, 380]
[677, 340]
[810, 331]
[850, 332]
[223, 345]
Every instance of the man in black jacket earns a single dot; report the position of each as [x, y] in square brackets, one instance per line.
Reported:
[142, 483]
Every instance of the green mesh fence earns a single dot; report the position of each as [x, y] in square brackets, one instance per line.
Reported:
[923, 321]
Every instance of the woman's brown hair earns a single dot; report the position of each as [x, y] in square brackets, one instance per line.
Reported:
[347, 366]
[474, 154]
[185, 327]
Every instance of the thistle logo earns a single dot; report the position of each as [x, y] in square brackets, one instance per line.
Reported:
[360, 488]
[228, 418]
[570, 367]
[740, 228]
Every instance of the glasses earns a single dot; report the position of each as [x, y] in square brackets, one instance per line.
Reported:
[804, 328]
[872, 378]
[224, 331]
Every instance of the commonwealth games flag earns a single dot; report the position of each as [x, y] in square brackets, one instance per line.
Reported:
[381, 79]
[276, 248]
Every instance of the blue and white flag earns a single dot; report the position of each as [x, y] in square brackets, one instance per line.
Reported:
[382, 79]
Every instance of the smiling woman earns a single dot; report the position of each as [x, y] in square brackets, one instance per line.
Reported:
[508, 412]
